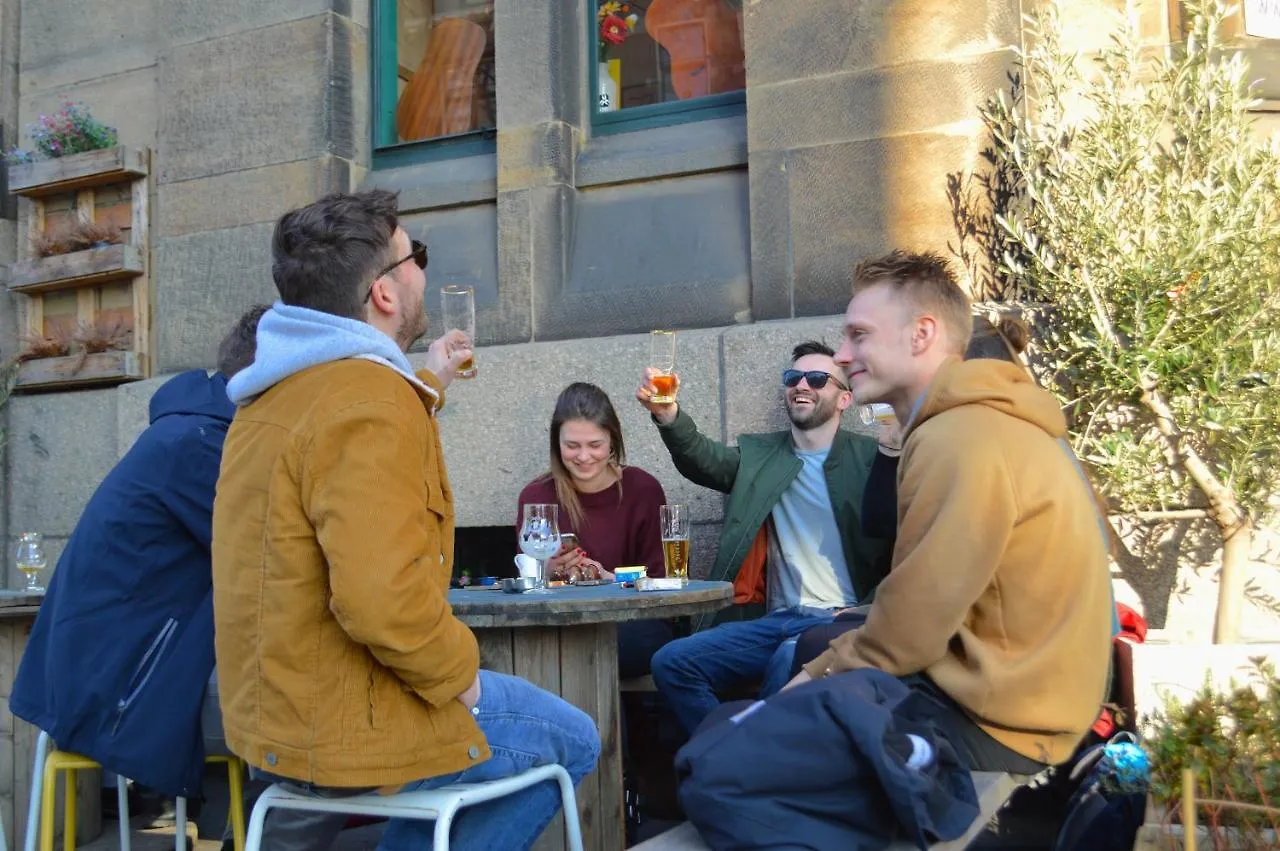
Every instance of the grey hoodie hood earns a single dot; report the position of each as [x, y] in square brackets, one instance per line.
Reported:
[291, 339]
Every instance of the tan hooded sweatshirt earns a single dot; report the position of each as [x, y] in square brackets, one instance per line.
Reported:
[1000, 589]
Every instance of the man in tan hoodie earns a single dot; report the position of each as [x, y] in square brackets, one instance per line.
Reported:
[998, 602]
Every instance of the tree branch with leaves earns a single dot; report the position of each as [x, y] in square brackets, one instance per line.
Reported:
[1132, 197]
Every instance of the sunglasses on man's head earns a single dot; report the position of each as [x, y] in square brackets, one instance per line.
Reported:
[816, 378]
[418, 255]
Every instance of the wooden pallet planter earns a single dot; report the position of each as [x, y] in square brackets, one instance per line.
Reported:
[78, 171]
[77, 269]
[105, 287]
[79, 370]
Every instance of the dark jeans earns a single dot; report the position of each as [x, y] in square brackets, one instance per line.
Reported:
[637, 642]
[978, 750]
[690, 671]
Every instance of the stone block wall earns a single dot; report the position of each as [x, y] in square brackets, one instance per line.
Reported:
[576, 241]
[856, 112]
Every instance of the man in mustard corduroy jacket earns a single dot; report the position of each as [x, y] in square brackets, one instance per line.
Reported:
[341, 664]
[998, 602]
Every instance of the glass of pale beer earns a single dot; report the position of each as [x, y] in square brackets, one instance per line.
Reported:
[458, 310]
[877, 413]
[674, 521]
[662, 358]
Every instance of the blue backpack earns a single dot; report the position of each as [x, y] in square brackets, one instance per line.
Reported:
[1109, 805]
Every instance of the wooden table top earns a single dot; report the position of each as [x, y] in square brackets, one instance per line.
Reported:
[569, 606]
[14, 604]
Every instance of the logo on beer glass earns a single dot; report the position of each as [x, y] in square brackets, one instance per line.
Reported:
[674, 520]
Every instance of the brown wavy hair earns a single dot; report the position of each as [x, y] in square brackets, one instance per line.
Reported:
[583, 401]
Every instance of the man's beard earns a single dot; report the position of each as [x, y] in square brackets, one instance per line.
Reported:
[817, 416]
[413, 326]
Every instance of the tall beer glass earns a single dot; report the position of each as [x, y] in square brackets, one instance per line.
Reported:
[674, 520]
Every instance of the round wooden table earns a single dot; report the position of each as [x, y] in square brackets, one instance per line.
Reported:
[566, 641]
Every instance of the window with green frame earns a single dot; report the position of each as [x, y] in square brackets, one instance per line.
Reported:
[664, 58]
[433, 72]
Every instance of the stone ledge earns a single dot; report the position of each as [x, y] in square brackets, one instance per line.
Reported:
[690, 148]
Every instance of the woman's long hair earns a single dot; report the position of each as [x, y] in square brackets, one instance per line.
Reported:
[583, 401]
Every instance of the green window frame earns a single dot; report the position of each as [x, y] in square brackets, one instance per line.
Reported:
[723, 105]
[388, 151]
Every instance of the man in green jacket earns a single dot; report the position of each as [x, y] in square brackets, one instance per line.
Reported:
[791, 542]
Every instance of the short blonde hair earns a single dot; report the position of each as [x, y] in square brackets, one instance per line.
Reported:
[926, 281]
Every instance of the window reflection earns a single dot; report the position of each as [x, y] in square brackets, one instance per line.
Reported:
[445, 68]
[657, 51]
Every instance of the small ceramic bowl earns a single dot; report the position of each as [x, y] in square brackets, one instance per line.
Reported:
[517, 584]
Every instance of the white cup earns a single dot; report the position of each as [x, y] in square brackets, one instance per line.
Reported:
[527, 565]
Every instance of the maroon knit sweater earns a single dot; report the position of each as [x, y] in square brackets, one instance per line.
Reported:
[617, 532]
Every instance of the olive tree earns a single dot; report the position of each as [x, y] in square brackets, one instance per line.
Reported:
[1130, 196]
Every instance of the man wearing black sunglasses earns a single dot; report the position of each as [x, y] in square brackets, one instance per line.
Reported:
[341, 664]
[791, 542]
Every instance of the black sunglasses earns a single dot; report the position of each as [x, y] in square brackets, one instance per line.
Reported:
[418, 255]
[816, 378]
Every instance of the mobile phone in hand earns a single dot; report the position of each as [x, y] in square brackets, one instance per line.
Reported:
[568, 542]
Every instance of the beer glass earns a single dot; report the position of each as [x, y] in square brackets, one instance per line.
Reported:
[540, 538]
[662, 357]
[31, 560]
[458, 310]
[875, 414]
[674, 520]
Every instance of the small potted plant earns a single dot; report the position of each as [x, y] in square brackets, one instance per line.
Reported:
[70, 130]
[80, 235]
[1230, 741]
[70, 149]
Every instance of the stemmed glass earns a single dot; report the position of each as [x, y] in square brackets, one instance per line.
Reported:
[31, 560]
[540, 538]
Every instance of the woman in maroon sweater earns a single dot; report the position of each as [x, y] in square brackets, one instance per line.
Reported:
[612, 508]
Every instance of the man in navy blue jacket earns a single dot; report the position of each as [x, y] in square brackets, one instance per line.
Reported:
[121, 651]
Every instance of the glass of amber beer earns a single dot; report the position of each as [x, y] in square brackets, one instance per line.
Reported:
[674, 520]
[458, 310]
[662, 358]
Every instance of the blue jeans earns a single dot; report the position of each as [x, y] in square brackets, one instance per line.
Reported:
[526, 727]
[689, 671]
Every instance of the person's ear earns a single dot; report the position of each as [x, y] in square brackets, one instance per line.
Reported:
[924, 333]
[383, 297]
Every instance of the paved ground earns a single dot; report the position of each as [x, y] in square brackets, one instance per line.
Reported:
[161, 839]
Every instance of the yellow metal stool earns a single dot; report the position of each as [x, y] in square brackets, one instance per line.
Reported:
[235, 781]
[44, 780]
[69, 763]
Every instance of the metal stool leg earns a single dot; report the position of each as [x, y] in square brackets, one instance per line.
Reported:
[37, 791]
[569, 803]
[235, 780]
[48, 796]
[180, 825]
[253, 839]
[444, 822]
[68, 810]
[122, 806]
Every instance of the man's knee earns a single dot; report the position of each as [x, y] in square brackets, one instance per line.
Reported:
[669, 662]
[581, 743]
